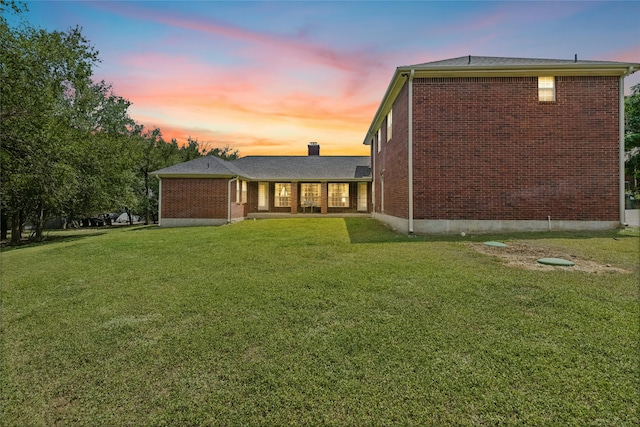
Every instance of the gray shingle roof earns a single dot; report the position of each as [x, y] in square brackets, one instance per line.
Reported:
[207, 165]
[495, 61]
[304, 167]
[271, 168]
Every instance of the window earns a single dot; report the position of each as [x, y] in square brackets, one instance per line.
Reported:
[244, 191]
[377, 140]
[282, 195]
[546, 89]
[238, 191]
[339, 195]
[310, 194]
[389, 124]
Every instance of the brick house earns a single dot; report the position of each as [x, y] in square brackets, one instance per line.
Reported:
[473, 144]
[482, 144]
[212, 191]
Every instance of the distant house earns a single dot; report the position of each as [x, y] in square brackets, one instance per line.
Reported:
[212, 191]
[482, 144]
[473, 144]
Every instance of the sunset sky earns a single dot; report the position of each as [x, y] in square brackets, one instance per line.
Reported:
[267, 77]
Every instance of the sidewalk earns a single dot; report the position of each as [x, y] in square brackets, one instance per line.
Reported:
[632, 217]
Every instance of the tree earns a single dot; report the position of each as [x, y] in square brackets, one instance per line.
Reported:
[63, 139]
[226, 153]
[155, 154]
[632, 134]
[191, 150]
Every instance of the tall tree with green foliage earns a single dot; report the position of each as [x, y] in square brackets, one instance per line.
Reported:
[632, 135]
[63, 138]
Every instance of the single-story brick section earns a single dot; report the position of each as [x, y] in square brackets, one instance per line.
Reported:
[212, 191]
[473, 144]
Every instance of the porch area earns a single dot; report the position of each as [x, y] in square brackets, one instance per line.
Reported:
[266, 215]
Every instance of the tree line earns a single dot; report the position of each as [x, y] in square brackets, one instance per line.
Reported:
[632, 139]
[68, 147]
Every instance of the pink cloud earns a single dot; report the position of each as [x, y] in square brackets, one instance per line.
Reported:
[279, 85]
[186, 87]
[630, 54]
[287, 47]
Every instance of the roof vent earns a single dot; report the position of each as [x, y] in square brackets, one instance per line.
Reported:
[314, 149]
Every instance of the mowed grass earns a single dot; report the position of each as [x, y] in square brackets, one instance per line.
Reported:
[314, 322]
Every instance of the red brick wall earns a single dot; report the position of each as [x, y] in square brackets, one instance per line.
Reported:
[195, 197]
[392, 161]
[486, 148]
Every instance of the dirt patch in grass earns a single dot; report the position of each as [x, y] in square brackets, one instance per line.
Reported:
[526, 255]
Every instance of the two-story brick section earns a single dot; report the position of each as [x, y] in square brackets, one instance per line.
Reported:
[469, 144]
[482, 144]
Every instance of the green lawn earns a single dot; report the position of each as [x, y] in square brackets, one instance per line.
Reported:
[315, 322]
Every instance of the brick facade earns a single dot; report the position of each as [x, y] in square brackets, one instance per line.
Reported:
[391, 162]
[485, 148]
[195, 198]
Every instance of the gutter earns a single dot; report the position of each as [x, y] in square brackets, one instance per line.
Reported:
[229, 198]
[159, 201]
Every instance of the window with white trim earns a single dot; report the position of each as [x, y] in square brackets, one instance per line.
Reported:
[389, 124]
[282, 194]
[244, 191]
[338, 195]
[546, 89]
[378, 140]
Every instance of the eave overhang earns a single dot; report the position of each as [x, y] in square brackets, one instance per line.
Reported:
[198, 175]
[271, 179]
[316, 179]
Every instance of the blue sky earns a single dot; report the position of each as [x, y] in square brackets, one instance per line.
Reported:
[267, 77]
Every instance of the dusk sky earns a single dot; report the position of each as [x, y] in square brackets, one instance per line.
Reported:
[268, 77]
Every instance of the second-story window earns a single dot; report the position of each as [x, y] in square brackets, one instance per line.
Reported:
[546, 89]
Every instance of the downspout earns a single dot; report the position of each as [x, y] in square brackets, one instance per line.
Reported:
[229, 198]
[410, 151]
[159, 201]
[621, 146]
[374, 153]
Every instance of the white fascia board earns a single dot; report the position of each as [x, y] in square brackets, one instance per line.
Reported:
[522, 70]
[388, 99]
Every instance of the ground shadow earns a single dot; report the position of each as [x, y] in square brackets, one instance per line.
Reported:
[27, 242]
